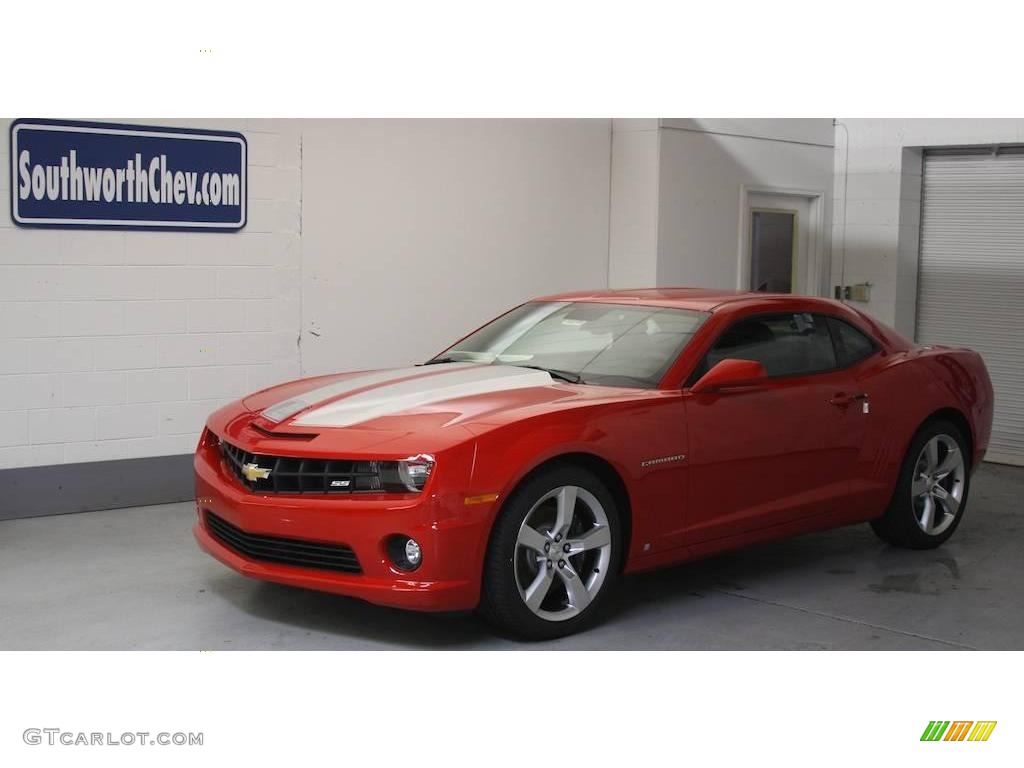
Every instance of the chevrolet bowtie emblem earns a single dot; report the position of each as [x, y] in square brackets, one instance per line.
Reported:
[254, 472]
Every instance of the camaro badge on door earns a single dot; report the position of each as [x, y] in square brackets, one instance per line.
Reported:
[254, 472]
[663, 460]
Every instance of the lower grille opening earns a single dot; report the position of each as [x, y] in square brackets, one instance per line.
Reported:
[273, 549]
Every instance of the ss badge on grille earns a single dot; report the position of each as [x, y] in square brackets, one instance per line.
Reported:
[254, 472]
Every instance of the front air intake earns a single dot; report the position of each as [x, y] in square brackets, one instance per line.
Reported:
[273, 549]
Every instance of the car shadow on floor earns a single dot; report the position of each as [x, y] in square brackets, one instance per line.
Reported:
[356, 623]
[838, 554]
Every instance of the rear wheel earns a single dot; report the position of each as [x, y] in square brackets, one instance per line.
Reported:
[553, 555]
[931, 494]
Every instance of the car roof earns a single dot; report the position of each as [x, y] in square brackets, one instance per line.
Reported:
[701, 299]
[746, 302]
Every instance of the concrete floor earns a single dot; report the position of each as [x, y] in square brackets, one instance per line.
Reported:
[134, 579]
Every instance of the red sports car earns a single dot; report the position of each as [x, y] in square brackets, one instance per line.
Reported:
[582, 436]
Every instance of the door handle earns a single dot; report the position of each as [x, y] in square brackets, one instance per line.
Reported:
[845, 400]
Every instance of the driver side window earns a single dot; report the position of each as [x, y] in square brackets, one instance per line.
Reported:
[791, 344]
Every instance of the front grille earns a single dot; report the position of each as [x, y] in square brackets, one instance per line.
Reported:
[272, 549]
[299, 475]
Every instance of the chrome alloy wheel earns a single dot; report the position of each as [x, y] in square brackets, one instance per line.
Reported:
[938, 484]
[563, 552]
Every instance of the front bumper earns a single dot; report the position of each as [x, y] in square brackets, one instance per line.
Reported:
[453, 540]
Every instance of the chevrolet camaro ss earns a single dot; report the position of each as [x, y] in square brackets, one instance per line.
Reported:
[579, 437]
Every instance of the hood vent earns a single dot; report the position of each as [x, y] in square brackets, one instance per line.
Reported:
[284, 435]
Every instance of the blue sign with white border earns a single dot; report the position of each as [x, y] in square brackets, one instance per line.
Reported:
[107, 175]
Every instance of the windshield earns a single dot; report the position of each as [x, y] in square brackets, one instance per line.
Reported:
[610, 344]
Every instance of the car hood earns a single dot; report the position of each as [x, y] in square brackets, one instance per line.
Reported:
[362, 399]
[448, 402]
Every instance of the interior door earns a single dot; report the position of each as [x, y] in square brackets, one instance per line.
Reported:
[778, 244]
[780, 450]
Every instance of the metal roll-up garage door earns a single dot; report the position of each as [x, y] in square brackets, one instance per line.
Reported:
[971, 275]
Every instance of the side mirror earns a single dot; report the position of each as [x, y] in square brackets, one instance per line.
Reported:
[730, 373]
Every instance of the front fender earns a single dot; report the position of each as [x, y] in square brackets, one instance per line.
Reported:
[624, 435]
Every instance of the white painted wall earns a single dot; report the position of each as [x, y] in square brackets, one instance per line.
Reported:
[682, 181]
[633, 233]
[876, 225]
[800, 130]
[119, 344]
[417, 231]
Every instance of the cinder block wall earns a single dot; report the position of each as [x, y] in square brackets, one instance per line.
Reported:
[117, 345]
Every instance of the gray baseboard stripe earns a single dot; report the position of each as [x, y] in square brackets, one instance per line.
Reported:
[63, 488]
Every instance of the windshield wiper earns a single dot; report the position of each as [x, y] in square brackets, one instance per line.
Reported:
[568, 376]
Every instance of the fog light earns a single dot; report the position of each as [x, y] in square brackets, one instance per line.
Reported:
[405, 553]
[412, 552]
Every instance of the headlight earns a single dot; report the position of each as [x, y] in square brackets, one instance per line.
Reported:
[409, 475]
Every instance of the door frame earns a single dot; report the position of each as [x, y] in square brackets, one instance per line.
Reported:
[816, 275]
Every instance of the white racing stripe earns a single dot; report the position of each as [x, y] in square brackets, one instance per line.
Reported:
[288, 408]
[451, 382]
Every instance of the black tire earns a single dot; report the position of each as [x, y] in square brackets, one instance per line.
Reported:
[898, 525]
[501, 602]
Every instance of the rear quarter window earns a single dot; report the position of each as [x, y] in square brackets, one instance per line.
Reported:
[852, 345]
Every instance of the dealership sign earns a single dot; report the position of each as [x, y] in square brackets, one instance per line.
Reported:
[101, 175]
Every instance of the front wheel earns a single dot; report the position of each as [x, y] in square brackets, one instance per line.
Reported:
[931, 494]
[553, 555]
